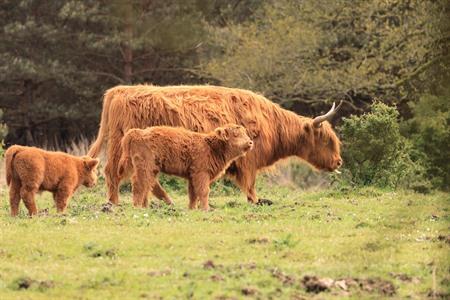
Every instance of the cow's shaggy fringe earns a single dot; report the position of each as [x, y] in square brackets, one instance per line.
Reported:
[278, 133]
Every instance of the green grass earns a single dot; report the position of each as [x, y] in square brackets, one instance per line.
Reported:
[235, 251]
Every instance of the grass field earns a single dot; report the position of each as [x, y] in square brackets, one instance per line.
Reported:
[360, 244]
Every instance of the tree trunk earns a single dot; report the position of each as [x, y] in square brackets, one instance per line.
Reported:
[24, 108]
[127, 47]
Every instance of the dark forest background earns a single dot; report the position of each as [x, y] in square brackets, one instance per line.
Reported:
[58, 57]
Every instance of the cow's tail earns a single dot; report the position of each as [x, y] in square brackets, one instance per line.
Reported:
[102, 137]
[125, 158]
[9, 158]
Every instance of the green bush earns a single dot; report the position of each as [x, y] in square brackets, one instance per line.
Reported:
[429, 130]
[375, 152]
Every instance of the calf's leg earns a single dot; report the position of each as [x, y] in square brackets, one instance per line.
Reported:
[14, 197]
[61, 197]
[161, 194]
[142, 182]
[27, 193]
[200, 185]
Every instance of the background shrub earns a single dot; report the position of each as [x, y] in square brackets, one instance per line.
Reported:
[375, 152]
[429, 130]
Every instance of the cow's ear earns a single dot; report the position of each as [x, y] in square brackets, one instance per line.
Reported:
[90, 164]
[222, 133]
[307, 128]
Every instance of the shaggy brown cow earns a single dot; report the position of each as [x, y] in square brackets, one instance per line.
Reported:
[276, 132]
[30, 170]
[200, 158]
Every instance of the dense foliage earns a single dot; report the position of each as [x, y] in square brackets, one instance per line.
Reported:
[375, 152]
[303, 53]
[430, 133]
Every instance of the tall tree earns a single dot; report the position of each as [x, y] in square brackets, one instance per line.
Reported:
[57, 58]
[305, 53]
[28, 44]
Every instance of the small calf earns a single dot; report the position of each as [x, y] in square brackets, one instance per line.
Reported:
[200, 158]
[30, 170]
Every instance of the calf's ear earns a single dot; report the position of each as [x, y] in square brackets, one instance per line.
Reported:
[91, 164]
[222, 133]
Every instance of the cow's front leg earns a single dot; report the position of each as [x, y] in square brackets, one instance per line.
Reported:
[192, 196]
[246, 180]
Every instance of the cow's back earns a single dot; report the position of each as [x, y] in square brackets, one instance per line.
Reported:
[198, 108]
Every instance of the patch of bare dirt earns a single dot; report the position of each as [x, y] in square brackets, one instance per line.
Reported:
[284, 278]
[209, 264]
[223, 297]
[217, 277]
[158, 273]
[24, 283]
[444, 238]
[381, 286]
[405, 278]
[314, 284]
[438, 295]
[249, 291]
[261, 240]
[247, 266]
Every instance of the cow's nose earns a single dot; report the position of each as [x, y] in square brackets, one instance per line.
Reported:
[339, 162]
[250, 143]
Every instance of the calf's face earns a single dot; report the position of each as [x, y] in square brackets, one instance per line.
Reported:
[237, 139]
[89, 173]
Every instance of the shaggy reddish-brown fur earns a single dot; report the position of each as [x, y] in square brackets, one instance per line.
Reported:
[200, 158]
[276, 132]
[30, 170]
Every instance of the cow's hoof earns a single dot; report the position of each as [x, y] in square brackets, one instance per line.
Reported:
[107, 207]
[262, 202]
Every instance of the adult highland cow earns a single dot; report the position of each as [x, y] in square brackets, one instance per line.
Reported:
[277, 133]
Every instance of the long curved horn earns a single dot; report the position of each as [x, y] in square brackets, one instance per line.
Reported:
[319, 119]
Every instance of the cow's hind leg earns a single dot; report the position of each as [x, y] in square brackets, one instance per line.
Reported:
[111, 173]
[14, 197]
[27, 193]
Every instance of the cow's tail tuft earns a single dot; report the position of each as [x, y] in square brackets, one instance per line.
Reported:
[102, 137]
[9, 157]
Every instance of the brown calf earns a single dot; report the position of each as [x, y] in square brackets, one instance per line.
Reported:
[200, 158]
[30, 170]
